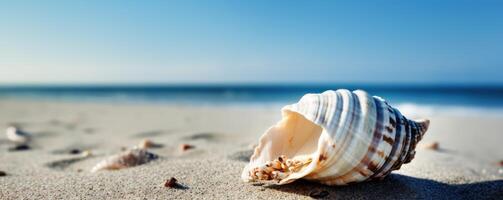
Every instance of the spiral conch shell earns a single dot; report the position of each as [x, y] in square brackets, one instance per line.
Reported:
[335, 138]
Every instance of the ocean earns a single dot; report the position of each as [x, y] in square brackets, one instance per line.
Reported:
[456, 98]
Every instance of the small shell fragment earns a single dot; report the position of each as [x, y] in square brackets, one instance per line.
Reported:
[129, 158]
[278, 169]
[86, 153]
[431, 146]
[147, 144]
[17, 135]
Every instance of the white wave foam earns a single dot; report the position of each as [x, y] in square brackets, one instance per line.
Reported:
[416, 111]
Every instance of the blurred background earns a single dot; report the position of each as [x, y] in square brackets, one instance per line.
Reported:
[432, 54]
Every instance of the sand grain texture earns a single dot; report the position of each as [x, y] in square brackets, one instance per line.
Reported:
[463, 168]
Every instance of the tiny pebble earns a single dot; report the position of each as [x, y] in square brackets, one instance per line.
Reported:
[80, 170]
[74, 151]
[146, 143]
[2, 173]
[432, 146]
[171, 183]
[186, 147]
[318, 194]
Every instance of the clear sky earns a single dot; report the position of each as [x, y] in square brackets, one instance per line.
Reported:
[251, 41]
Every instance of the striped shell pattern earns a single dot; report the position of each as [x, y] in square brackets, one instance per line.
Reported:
[335, 138]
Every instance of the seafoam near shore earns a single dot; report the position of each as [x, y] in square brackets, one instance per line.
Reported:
[465, 166]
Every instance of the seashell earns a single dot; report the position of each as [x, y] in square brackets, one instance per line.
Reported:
[129, 158]
[17, 136]
[335, 138]
[147, 144]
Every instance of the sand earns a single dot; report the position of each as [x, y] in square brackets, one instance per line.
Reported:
[466, 165]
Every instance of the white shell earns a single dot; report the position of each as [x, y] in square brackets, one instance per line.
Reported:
[336, 138]
[17, 136]
[125, 159]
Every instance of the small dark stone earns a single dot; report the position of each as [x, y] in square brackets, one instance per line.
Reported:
[318, 194]
[186, 147]
[74, 151]
[21, 147]
[2, 173]
[171, 183]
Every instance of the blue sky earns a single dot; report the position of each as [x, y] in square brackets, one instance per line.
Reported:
[251, 41]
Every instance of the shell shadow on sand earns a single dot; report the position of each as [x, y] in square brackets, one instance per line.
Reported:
[68, 125]
[42, 134]
[64, 163]
[152, 133]
[397, 186]
[89, 130]
[206, 136]
[73, 149]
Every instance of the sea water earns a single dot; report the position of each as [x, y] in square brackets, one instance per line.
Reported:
[454, 99]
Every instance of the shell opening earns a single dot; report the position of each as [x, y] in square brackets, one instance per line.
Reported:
[286, 151]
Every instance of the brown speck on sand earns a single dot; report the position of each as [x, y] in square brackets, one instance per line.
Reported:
[147, 144]
[2, 173]
[171, 183]
[432, 146]
[318, 194]
[500, 163]
[186, 147]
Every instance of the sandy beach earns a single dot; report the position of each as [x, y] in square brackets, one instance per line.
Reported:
[466, 166]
